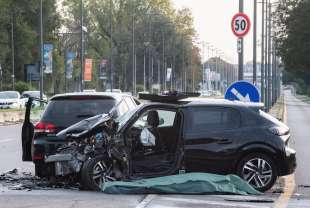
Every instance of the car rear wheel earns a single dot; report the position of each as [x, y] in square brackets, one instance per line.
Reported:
[259, 170]
[95, 173]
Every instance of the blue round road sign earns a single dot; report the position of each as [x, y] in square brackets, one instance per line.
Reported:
[242, 91]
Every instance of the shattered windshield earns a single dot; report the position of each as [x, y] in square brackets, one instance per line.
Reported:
[122, 120]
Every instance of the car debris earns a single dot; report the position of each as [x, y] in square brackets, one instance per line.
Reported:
[16, 180]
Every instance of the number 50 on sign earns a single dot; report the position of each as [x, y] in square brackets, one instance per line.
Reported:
[240, 24]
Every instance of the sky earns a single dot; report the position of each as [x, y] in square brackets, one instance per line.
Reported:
[212, 20]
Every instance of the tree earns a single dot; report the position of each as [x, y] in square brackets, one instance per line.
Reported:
[293, 37]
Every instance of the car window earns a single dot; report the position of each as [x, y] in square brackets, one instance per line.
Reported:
[66, 112]
[212, 118]
[166, 117]
[37, 110]
[8, 95]
[123, 107]
[131, 104]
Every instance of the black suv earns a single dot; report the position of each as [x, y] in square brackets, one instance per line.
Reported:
[43, 122]
[188, 135]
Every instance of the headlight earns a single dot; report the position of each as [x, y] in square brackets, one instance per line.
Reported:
[279, 131]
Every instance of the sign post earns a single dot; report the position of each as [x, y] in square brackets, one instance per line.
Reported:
[240, 26]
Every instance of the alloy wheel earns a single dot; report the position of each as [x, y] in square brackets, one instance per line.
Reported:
[101, 173]
[257, 172]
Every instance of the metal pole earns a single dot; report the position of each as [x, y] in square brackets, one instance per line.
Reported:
[255, 43]
[269, 55]
[82, 48]
[1, 77]
[133, 51]
[266, 56]
[41, 47]
[262, 54]
[240, 55]
[111, 50]
[144, 75]
[13, 54]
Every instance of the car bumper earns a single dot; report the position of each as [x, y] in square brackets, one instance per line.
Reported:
[288, 163]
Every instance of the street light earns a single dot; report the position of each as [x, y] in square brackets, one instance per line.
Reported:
[41, 47]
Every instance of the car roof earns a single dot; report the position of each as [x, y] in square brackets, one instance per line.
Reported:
[116, 96]
[197, 101]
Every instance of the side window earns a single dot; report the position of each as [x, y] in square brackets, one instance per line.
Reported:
[202, 119]
[37, 110]
[166, 118]
[123, 108]
[131, 104]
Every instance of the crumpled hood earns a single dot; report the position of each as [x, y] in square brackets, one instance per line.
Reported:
[83, 127]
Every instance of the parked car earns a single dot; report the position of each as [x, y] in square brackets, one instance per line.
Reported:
[176, 136]
[114, 90]
[39, 139]
[34, 94]
[11, 99]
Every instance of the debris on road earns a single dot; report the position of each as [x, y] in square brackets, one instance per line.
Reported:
[14, 180]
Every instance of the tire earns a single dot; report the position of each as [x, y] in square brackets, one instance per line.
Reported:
[94, 181]
[259, 170]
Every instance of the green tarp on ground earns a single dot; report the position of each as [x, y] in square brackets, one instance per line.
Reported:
[189, 183]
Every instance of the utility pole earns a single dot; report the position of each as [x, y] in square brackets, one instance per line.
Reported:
[255, 43]
[240, 55]
[262, 65]
[41, 50]
[1, 77]
[266, 56]
[144, 75]
[269, 55]
[13, 53]
[82, 48]
[133, 51]
[111, 50]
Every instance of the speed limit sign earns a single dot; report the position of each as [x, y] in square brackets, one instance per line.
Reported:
[240, 24]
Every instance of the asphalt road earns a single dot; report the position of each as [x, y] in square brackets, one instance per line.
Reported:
[298, 118]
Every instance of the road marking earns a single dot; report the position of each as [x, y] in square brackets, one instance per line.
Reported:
[289, 181]
[5, 140]
[146, 201]
[207, 202]
[239, 96]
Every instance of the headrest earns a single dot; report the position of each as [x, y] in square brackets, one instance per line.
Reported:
[153, 118]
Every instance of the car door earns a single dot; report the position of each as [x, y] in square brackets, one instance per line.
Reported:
[33, 112]
[210, 135]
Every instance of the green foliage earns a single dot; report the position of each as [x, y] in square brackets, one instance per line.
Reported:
[21, 86]
[292, 18]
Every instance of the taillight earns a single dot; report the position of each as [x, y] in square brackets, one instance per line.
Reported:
[42, 127]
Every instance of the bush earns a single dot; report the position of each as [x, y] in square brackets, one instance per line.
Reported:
[301, 87]
[21, 86]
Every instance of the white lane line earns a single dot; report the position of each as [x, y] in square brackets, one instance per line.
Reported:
[5, 140]
[207, 202]
[146, 201]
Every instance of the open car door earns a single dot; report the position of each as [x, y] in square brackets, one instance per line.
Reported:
[34, 109]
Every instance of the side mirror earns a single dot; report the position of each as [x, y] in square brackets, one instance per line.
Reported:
[161, 121]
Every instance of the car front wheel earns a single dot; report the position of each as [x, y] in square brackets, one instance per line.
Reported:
[259, 170]
[95, 172]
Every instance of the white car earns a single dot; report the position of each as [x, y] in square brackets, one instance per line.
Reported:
[34, 94]
[11, 99]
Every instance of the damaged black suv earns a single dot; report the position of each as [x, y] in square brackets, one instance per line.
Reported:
[175, 136]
